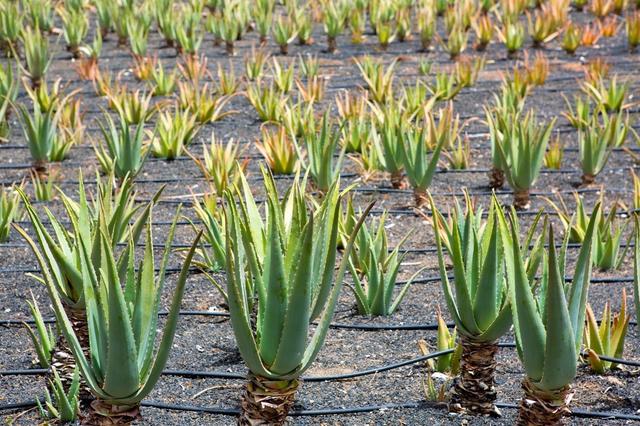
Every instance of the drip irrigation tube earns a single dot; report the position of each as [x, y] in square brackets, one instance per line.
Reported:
[366, 372]
[339, 411]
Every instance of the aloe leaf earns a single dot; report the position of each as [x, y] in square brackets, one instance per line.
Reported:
[560, 357]
[486, 300]
[579, 289]
[164, 347]
[295, 326]
[237, 296]
[528, 326]
[275, 283]
[444, 278]
[121, 377]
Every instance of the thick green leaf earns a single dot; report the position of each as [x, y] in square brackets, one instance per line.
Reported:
[560, 357]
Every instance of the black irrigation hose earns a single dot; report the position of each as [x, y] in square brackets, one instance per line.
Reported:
[366, 372]
[337, 411]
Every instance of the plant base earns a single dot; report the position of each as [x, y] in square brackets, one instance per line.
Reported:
[541, 408]
[496, 178]
[474, 390]
[332, 45]
[230, 48]
[588, 179]
[266, 401]
[104, 414]
[420, 197]
[397, 181]
[521, 199]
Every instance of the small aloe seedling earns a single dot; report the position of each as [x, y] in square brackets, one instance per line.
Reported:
[537, 70]
[579, 115]
[40, 14]
[553, 156]
[480, 306]
[446, 86]
[9, 211]
[320, 148]
[309, 65]
[459, 156]
[444, 365]
[418, 166]
[521, 147]
[427, 25]
[512, 35]
[227, 82]
[279, 150]
[484, 30]
[37, 54]
[254, 63]
[595, 146]
[124, 154]
[65, 404]
[11, 25]
[611, 97]
[284, 32]
[445, 340]
[43, 185]
[632, 25]
[541, 27]
[220, 164]
[379, 80]
[43, 338]
[203, 103]
[163, 83]
[88, 68]
[374, 286]
[571, 38]
[457, 42]
[334, 20]
[268, 102]
[173, 133]
[75, 26]
[283, 77]
[606, 339]
[40, 131]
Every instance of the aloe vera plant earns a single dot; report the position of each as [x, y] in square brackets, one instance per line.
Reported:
[284, 268]
[548, 325]
[124, 364]
[9, 87]
[173, 134]
[480, 305]
[40, 131]
[320, 148]
[373, 285]
[37, 55]
[521, 146]
[595, 144]
[419, 167]
[122, 219]
[608, 337]
[9, 211]
[43, 338]
[124, 154]
[64, 406]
